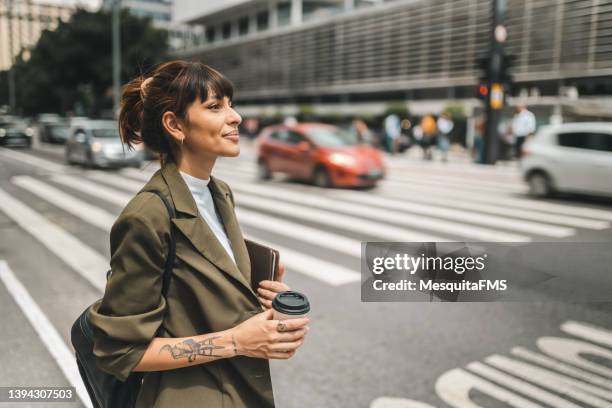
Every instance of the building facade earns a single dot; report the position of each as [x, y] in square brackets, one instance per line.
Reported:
[21, 24]
[349, 51]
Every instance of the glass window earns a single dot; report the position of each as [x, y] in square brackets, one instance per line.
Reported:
[295, 138]
[284, 14]
[226, 30]
[210, 34]
[332, 137]
[586, 140]
[262, 21]
[105, 133]
[243, 26]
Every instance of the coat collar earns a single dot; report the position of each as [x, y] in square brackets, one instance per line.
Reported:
[197, 231]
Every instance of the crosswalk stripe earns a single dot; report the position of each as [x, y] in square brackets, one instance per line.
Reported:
[422, 178]
[526, 203]
[300, 232]
[84, 260]
[121, 182]
[392, 217]
[476, 207]
[46, 332]
[90, 213]
[346, 222]
[333, 274]
[262, 221]
[587, 332]
[483, 219]
[564, 368]
[33, 160]
[96, 190]
[520, 386]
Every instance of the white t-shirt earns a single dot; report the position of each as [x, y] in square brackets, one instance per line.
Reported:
[206, 207]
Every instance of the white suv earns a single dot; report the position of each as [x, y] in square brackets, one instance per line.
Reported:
[571, 157]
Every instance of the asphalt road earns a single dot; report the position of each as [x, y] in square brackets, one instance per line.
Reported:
[54, 224]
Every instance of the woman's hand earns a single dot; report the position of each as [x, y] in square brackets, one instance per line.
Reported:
[259, 336]
[267, 290]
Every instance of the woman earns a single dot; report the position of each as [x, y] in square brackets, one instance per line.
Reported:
[207, 342]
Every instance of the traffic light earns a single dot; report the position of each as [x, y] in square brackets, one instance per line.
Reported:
[507, 62]
[482, 90]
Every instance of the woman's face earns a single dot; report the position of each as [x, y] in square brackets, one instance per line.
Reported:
[212, 128]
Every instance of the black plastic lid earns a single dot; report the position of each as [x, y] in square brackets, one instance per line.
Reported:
[291, 303]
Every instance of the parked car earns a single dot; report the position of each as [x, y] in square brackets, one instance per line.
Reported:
[571, 157]
[57, 132]
[325, 154]
[96, 143]
[15, 131]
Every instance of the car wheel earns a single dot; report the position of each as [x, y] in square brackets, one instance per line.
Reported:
[321, 178]
[263, 170]
[539, 185]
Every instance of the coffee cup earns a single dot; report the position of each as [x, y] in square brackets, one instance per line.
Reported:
[290, 305]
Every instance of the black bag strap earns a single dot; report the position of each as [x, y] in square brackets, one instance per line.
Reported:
[172, 252]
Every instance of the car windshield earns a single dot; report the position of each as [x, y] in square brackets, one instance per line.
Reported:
[105, 133]
[332, 137]
[60, 131]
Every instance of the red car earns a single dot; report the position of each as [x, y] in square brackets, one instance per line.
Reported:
[325, 154]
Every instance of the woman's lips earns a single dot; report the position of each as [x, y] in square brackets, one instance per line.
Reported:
[232, 136]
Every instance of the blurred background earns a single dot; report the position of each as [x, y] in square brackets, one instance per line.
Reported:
[363, 120]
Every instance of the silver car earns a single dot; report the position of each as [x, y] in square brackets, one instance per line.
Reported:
[96, 143]
[571, 157]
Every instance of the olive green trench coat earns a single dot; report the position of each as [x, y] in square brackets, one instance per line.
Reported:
[208, 292]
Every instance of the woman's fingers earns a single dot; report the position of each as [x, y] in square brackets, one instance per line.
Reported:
[286, 347]
[265, 302]
[274, 286]
[288, 337]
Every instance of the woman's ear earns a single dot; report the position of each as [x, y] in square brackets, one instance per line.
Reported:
[173, 126]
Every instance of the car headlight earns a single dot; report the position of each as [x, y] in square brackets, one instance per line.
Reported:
[2, 132]
[342, 159]
[96, 147]
[29, 132]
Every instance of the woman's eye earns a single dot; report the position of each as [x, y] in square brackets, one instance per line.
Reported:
[214, 106]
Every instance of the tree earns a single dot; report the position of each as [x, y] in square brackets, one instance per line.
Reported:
[71, 67]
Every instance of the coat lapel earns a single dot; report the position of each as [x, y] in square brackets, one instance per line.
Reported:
[197, 231]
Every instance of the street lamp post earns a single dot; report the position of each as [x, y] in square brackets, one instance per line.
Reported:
[116, 55]
[11, 71]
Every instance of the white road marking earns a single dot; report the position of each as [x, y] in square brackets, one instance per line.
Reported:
[354, 224]
[388, 216]
[454, 387]
[33, 160]
[116, 181]
[523, 387]
[561, 367]
[64, 358]
[315, 268]
[571, 351]
[93, 215]
[473, 208]
[327, 272]
[297, 231]
[389, 402]
[300, 232]
[84, 260]
[405, 193]
[588, 332]
[575, 389]
[511, 224]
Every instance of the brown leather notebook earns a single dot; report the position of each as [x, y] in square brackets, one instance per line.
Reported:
[264, 262]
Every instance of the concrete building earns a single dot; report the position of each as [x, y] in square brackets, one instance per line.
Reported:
[160, 12]
[22, 22]
[359, 55]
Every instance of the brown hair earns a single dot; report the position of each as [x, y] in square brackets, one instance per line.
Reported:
[171, 87]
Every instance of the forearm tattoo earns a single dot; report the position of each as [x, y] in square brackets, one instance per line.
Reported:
[191, 349]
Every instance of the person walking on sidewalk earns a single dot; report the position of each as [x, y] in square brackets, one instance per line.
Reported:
[523, 125]
[207, 341]
[445, 127]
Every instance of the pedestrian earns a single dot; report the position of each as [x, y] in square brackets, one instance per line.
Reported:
[445, 127]
[207, 341]
[479, 132]
[393, 132]
[428, 126]
[363, 133]
[523, 125]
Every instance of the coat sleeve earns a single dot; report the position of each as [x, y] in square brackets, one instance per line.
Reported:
[127, 318]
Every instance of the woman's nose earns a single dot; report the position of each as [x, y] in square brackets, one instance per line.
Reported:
[235, 118]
